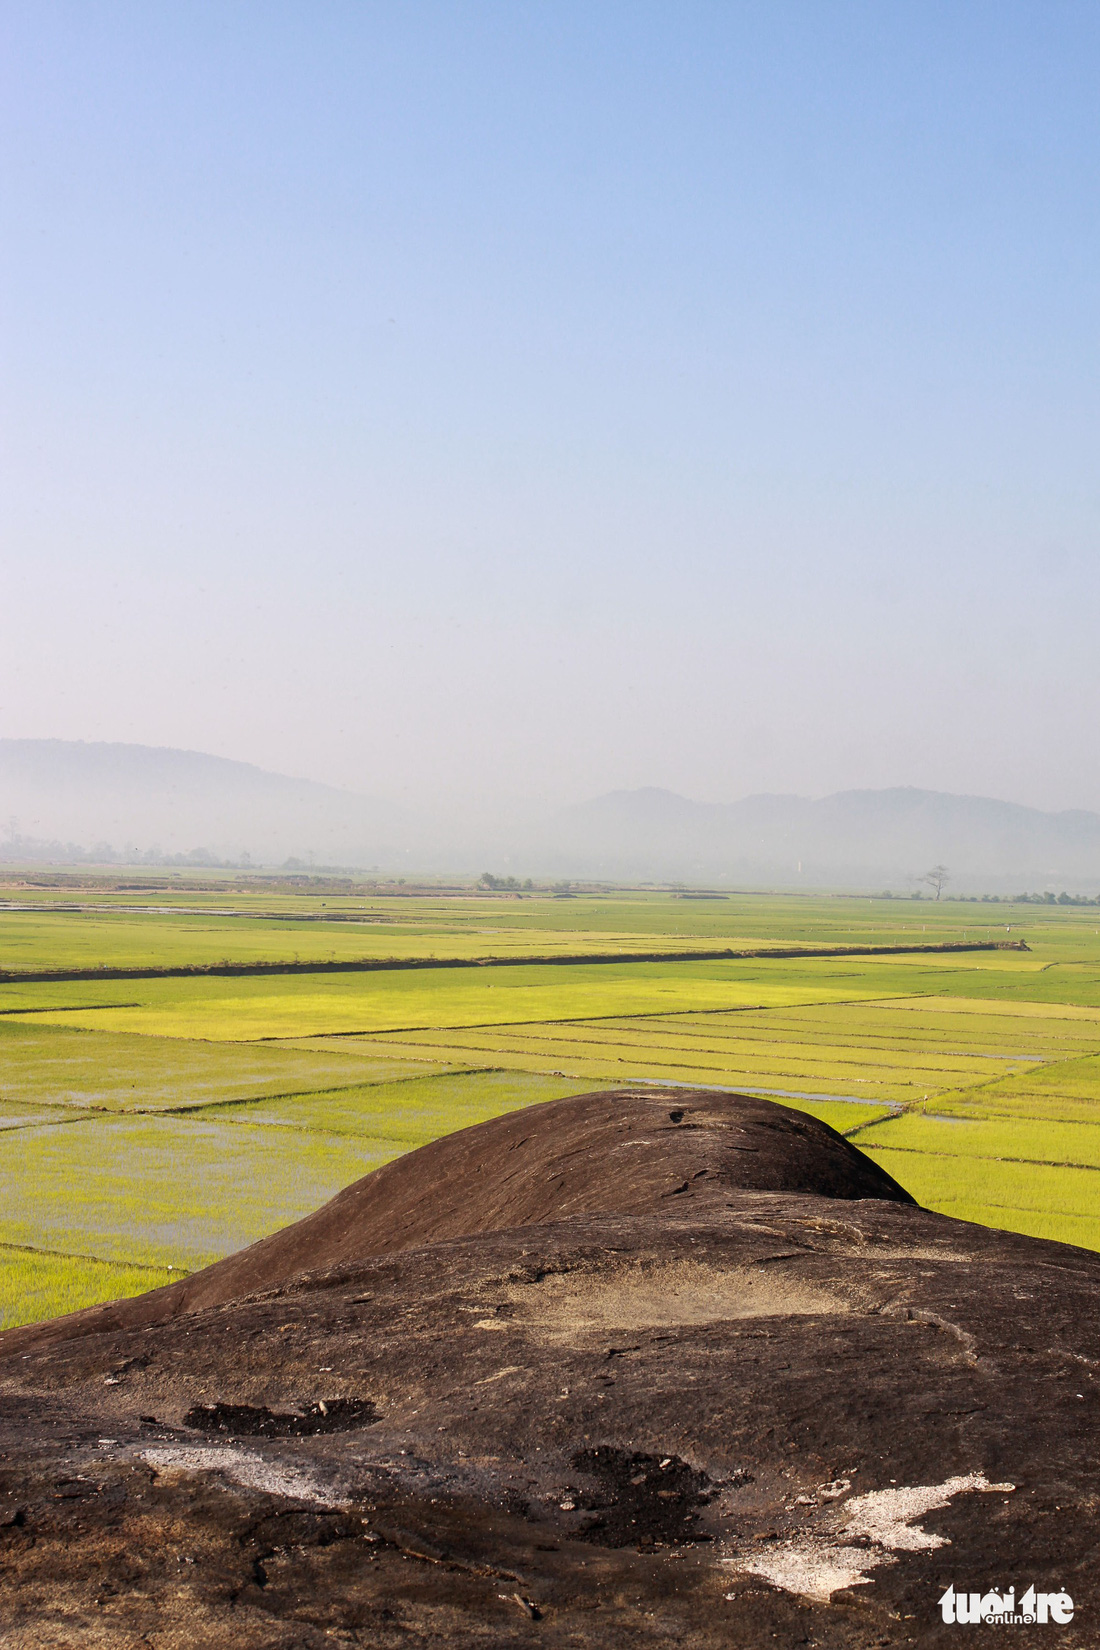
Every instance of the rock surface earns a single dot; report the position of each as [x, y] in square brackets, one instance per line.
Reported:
[644, 1368]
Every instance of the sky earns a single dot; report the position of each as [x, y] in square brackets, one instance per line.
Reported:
[485, 405]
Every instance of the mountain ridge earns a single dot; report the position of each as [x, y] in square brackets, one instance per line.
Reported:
[57, 793]
[855, 837]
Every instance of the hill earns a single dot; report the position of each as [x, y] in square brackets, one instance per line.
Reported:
[524, 1169]
[55, 793]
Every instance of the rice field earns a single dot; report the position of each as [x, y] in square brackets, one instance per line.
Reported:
[148, 1126]
[414, 1112]
[47, 1064]
[308, 1006]
[35, 1285]
[408, 1113]
[158, 939]
[166, 1190]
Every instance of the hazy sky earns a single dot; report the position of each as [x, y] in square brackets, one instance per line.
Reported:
[536, 397]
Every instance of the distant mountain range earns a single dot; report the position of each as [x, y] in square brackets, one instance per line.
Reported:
[852, 839]
[60, 799]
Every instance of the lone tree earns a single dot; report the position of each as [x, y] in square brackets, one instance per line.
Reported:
[936, 878]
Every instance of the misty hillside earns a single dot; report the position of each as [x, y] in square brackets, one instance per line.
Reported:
[58, 795]
[60, 791]
[852, 839]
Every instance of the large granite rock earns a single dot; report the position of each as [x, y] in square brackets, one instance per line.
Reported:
[641, 1368]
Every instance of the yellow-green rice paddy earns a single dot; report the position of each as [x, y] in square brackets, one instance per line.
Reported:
[149, 1125]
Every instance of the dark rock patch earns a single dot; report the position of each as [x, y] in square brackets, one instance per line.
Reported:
[282, 1531]
[257, 1421]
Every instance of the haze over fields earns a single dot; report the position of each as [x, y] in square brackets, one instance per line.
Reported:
[61, 799]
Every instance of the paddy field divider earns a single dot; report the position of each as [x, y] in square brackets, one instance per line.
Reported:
[383, 965]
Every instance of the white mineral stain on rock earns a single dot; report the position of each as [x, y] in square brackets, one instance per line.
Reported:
[887, 1516]
[816, 1571]
[250, 1471]
[818, 1568]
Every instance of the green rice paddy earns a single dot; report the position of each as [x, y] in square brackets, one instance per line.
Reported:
[34, 1285]
[41, 1063]
[150, 1125]
[168, 1190]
